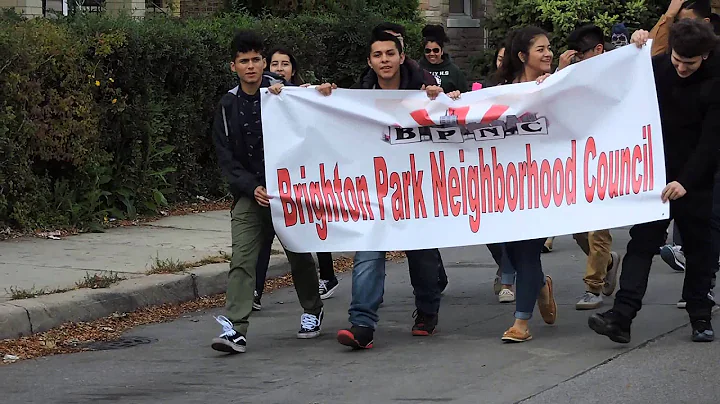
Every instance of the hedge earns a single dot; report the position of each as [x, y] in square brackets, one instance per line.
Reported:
[110, 117]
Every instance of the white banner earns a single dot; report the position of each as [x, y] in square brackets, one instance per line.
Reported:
[353, 172]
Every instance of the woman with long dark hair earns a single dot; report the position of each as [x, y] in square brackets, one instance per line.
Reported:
[527, 58]
[283, 63]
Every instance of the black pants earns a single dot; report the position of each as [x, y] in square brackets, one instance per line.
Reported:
[424, 266]
[325, 262]
[692, 215]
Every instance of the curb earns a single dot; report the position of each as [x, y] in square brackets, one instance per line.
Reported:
[20, 318]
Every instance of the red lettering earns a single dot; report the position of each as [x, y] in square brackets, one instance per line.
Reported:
[602, 175]
[351, 200]
[454, 192]
[418, 197]
[533, 180]
[498, 182]
[571, 176]
[651, 163]
[637, 179]
[285, 188]
[331, 206]
[364, 197]
[438, 184]
[381, 182]
[511, 187]
[559, 182]
[397, 199]
[545, 183]
[474, 198]
[589, 185]
[486, 188]
[337, 186]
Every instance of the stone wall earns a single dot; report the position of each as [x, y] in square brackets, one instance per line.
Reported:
[193, 8]
[28, 8]
[135, 8]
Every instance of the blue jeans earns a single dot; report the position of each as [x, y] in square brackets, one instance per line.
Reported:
[506, 269]
[368, 284]
[524, 256]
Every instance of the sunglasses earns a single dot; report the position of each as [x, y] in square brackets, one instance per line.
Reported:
[431, 50]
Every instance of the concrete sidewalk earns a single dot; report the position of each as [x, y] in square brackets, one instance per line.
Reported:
[29, 263]
[36, 264]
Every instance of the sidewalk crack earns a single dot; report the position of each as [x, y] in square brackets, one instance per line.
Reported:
[27, 313]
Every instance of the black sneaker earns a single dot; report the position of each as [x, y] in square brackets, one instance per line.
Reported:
[611, 325]
[310, 325]
[356, 337]
[424, 324]
[702, 331]
[256, 306]
[327, 288]
[230, 341]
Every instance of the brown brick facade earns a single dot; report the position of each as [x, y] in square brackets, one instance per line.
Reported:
[465, 29]
[194, 8]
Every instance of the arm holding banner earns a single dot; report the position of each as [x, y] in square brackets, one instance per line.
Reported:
[661, 31]
[240, 180]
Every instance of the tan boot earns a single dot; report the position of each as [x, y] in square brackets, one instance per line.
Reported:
[546, 302]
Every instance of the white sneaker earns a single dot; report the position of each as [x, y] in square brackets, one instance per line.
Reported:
[674, 256]
[589, 301]
[506, 296]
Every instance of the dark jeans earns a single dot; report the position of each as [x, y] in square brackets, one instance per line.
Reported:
[506, 271]
[524, 255]
[368, 284]
[692, 216]
[325, 263]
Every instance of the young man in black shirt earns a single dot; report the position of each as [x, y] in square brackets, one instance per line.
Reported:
[688, 89]
[389, 71]
[238, 138]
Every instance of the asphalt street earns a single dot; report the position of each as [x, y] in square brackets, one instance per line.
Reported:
[464, 363]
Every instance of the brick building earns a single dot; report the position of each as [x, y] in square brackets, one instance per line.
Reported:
[464, 22]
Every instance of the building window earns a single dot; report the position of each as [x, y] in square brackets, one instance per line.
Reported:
[92, 6]
[54, 7]
[461, 7]
[156, 6]
[461, 14]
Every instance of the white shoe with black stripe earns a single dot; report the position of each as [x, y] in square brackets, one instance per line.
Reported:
[229, 341]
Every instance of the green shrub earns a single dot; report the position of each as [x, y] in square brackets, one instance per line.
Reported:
[104, 116]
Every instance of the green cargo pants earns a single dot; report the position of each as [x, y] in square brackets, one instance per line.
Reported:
[250, 225]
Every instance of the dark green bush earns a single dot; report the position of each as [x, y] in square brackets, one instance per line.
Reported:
[104, 116]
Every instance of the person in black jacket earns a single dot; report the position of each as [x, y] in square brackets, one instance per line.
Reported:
[688, 90]
[238, 138]
[389, 72]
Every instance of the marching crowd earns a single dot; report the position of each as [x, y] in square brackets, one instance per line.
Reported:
[686, 68]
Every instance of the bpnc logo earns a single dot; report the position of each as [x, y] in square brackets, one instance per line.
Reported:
[454, 127]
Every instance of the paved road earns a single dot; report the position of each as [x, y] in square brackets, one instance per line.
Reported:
[464, 363]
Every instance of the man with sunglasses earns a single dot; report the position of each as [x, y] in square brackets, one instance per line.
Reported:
[602, 264]
[584, 43]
